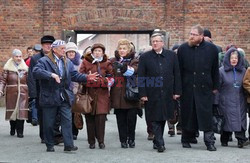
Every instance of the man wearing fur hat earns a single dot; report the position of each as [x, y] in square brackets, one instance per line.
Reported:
[55, 73]
[14, 80]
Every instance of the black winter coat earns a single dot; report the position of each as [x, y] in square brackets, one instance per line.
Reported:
[32, 83]
[200, 76]
[159, 79]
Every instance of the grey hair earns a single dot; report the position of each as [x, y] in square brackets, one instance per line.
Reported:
[16, 52]
[158, 34]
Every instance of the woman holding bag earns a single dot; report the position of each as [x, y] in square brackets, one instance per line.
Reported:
[97, 61]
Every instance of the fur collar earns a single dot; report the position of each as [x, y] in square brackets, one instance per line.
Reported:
[130, 55]
[52, 58]
[10, 66]
[90, 59]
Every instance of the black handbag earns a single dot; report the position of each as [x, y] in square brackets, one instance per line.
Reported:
[131, 92]
[218, 120]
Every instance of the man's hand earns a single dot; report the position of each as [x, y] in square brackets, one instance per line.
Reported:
[93, 77]
[145, 98]
[56, 77]
[175, 97]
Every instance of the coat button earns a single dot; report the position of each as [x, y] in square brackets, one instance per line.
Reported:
[202, 86]
[194, 85]
[203, 73]
[194, 73]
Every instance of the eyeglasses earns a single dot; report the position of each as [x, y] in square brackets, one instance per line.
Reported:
[156, 41]
[193, 34]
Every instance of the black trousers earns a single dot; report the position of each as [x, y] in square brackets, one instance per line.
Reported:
[126, 122]
[187, 136]
[17, 126]
[240, 136]
[158, 130]
[95, 127]
[75, 131]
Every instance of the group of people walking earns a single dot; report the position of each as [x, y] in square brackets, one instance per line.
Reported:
[190, 75]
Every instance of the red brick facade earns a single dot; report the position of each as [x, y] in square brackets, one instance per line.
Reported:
[23, 22]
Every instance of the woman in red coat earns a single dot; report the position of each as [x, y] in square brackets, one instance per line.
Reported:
[97, 61]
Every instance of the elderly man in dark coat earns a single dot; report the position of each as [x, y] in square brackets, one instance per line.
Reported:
[159, 85]
[200, 79]
[55, 73]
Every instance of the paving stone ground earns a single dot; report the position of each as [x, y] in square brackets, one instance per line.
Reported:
[29, 148]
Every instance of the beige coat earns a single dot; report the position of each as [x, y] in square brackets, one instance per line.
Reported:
[246, 84]
[13, 79]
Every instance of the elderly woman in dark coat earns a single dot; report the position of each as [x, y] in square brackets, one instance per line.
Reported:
[124, 65]
[232, 102]
[14, 80]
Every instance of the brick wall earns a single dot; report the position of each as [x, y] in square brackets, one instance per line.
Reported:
[23, 22]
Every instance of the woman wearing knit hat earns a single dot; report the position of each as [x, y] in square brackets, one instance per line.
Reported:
[74, 56]
[97, 61]
[14, 79]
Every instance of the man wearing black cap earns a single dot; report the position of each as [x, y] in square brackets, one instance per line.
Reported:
[208, 37]
[33, 86]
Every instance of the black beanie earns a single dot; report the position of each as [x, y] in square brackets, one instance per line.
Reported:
[207, 33]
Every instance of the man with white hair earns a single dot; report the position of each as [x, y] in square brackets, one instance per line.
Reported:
[55, 73]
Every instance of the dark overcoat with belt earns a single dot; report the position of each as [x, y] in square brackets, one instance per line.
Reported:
[159, 79]
[200, 76]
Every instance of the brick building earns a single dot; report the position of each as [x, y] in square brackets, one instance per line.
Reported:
[23, 22]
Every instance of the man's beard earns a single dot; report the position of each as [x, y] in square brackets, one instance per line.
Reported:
[192, 43]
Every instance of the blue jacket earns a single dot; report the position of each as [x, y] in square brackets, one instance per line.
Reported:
[50, 90]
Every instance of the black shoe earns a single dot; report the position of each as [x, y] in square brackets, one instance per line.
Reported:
[224, 144]
[58, 140]
[68, 149]
[74, 137]
[92, 146]
[101, 145]
[179, 132]
[50, 149]
[151, 136]
[211, 148]
[241, 144]
[155, 146]
[12, 132]
[19, 135]
[42, 141]
[131, 143]
[124, 145]
[161, 149]
[186, 145]
[171, 132]
[34, 122]
[193, 141]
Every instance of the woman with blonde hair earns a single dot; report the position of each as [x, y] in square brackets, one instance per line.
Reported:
[124, 65]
